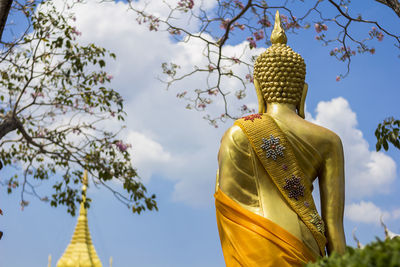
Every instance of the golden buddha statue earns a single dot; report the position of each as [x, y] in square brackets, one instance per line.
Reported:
[268, 162]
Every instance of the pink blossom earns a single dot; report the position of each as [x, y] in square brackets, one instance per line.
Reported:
[292, 24]
[239, 4]
[121, 146]
[110, 77]
[265, 22]
[240, 26]
[174, 31]
[37, 94]
[180, 95]
[212, 92]
[375, 33]
[284, 18]
[154, 23]
[252, 43]
[320, 27]
[186, 4]
[240, 94]
[259, 35]
[41, 134]
[75, 31]
[337, 78]
[317, 28]
[250, 78]
[236, 60]
[211, 68]
[224, 23]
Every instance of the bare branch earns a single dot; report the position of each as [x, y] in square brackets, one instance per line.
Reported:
[5, 6]
[393, 4]
[8, 125]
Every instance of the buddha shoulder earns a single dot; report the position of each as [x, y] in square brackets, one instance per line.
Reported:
[326, 140]
[235, 138]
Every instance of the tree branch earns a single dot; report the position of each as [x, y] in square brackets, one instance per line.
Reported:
[5, 6]
[393, 4]
[344, 14]
[8, 124]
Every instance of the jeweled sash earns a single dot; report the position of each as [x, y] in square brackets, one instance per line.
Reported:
[277, 157]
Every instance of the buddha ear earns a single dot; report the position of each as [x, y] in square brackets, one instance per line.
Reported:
[300, 107]
[260, 97]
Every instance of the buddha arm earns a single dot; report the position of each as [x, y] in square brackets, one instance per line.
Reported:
[331, 184]
[235, 174]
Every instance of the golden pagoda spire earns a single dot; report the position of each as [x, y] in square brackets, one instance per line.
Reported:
[80, 252]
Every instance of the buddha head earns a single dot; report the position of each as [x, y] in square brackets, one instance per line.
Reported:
[279, 72]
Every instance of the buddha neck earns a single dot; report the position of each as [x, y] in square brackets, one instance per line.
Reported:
[280, 109]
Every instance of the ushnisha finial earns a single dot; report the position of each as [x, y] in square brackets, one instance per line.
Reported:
[278, 35]
[279, 71]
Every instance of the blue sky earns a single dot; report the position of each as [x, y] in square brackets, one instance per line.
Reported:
[175, 150]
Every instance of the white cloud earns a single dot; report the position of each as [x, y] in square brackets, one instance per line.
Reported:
[368, 212]
[367, 172]
[396, 214]
[147, 154]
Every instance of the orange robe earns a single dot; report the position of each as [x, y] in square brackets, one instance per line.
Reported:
[251, 240]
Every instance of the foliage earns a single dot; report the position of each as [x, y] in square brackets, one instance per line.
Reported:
[378, 254]
[58, 116]
[388, 131]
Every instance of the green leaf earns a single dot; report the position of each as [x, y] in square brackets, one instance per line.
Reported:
[385, 145]
[377, 133]
[378, 145]
[392, 137]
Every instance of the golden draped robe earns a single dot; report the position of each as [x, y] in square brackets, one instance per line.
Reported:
[259, 224]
